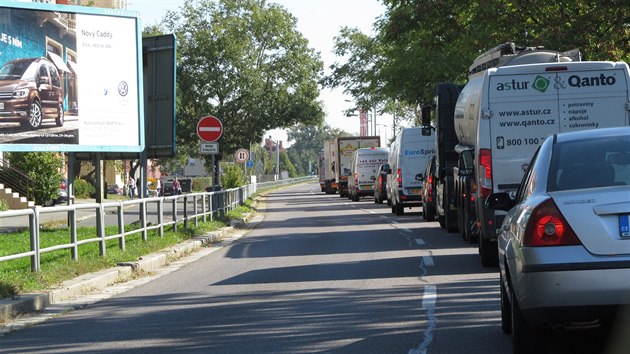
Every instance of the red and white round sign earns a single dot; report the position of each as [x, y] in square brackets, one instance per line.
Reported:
[209, 129]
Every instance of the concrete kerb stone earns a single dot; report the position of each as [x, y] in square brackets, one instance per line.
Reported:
[89, 283]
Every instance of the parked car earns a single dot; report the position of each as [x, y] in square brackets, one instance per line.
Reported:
[380, 183]
[114, 189]
[31, 91]
[428, 191]
[564, 245]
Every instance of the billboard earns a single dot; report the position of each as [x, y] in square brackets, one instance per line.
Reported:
[70, 79]
[159, 69]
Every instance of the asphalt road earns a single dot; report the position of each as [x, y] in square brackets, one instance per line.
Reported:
[318, 274]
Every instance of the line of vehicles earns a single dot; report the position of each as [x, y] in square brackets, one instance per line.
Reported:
[357, 166]
[476, 144]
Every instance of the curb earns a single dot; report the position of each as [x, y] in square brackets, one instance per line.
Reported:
[92, 282]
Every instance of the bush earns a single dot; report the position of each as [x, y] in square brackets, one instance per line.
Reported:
[233, 176]
[83, 189]
[42, 169]
[199, 184]
[4, 205]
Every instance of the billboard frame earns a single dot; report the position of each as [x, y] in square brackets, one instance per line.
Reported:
[133, 142]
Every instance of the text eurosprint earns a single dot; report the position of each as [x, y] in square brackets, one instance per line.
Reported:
[418, 152]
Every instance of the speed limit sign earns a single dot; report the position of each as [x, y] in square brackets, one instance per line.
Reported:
[241, 155]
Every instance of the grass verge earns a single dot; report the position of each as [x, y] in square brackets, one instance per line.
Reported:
[57, 266]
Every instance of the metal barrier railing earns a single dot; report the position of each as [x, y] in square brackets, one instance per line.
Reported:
[185, 208]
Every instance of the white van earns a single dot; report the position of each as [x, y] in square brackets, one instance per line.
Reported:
[363, 169]
[408, 158]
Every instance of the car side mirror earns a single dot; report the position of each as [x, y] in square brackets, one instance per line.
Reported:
[388, 171]
[499, 201]
[44, 80]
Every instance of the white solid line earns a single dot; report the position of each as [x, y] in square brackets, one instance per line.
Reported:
[420, 242]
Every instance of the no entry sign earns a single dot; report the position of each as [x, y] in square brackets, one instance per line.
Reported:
[209, 129]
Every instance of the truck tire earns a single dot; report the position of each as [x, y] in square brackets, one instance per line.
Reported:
[450, 215]
[488, 252]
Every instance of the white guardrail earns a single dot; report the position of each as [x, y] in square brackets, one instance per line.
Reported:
[184, 208]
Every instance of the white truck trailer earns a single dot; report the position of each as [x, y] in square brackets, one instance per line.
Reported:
[514, 99]
[330, 156]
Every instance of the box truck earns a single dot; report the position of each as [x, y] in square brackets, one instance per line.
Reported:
[330, 156]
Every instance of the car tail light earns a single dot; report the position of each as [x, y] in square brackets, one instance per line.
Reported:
[399, 178]
[485, 172]
[547, 227]
[356, 179]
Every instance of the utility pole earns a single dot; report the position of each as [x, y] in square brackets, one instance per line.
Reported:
[277, 160]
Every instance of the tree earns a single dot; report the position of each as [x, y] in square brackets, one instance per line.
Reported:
[307, 142]
[42, 169]
[420, 43]
[244, 62]
[287, 165]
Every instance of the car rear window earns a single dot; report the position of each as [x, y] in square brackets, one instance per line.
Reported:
[592, 163]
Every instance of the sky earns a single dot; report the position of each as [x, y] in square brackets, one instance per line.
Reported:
[319, 21]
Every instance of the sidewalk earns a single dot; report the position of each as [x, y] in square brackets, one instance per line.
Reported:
[20, 312]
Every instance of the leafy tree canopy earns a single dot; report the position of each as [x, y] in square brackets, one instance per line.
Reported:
[306, 143]
[419, 43]
[244, 62]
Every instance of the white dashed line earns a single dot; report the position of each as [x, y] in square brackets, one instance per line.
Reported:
[420, 242]
[428, 303]
[427, 260]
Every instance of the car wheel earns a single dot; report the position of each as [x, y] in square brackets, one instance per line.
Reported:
[389, 202]
[506, 311]
[35, 115]
[524, 339]
[400, 210]
[488, 251]
[430, 214]
[61, 116]
[424, 212]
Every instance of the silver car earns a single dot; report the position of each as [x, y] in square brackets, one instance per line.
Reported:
[564, 246]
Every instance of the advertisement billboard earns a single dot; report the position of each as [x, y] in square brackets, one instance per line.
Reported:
[70, 79]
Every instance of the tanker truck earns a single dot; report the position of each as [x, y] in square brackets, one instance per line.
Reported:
[514, 99]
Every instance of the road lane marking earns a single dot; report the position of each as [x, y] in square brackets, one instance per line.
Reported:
[427, 260]
[420, 242]
[429, 299]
